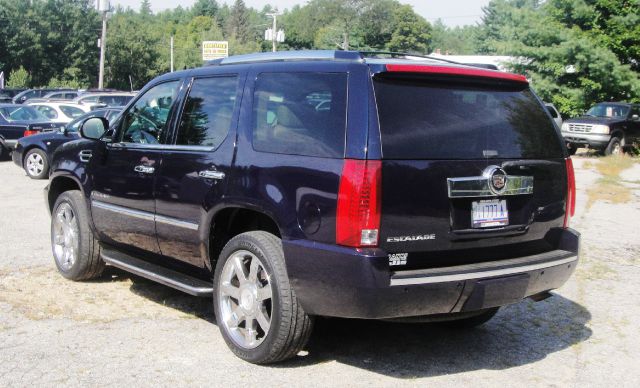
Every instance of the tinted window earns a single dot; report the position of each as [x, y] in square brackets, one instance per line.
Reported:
[71, 111]
[420, 119]
[146, 120]
[47, 111]
[206, 118]
[552, 112]
[300, 113]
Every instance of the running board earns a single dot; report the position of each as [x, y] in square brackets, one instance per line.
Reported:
[158, 274]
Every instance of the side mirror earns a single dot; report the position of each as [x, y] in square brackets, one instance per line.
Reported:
[635, 118]
[94, 128]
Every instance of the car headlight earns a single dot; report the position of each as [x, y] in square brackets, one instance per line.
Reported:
[565, 127]
[604, 129]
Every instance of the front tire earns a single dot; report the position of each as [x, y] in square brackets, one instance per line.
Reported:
[36, 164]
[75, 251]
[614, 147]
[256, 308]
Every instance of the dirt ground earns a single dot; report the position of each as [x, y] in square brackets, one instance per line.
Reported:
[123, 330]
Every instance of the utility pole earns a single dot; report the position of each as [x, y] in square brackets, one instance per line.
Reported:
[103, 7]
[172, 53]
[273, 34]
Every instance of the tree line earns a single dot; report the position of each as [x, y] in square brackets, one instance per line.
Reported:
[576, 52]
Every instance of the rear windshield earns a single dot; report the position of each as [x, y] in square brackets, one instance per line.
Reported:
[423, 119]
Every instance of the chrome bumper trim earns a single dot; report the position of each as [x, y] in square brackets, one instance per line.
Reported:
[444, 278]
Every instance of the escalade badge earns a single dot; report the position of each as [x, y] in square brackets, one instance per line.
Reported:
[423, 237]
[497, 180]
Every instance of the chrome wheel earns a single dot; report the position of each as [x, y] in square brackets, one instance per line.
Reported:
[617, 149]
[65, 236]
[35, 164]
[244, 297]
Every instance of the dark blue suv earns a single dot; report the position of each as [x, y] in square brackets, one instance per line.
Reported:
[301, 184]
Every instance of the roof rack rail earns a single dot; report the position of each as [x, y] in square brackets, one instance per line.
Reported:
[393, 54]
[279, 56]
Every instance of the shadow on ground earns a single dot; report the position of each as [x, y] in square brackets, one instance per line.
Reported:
[518, 335]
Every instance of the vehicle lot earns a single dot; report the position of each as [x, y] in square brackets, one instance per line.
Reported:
[123, 329]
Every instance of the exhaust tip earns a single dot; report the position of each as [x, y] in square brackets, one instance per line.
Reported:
[541, 296]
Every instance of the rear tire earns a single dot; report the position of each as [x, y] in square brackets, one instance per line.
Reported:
[256, 308]
[474, 321]
[614, 147]
[75, 251]
[36, 164]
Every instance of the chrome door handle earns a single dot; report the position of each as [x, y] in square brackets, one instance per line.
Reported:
[144, 169]
[211, 174]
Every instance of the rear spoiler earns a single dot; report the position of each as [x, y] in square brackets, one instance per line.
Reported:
[450, 70]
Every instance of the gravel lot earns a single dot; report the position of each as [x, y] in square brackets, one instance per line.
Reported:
[124, 330]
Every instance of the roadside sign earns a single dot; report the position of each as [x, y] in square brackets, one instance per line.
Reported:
[214, 49]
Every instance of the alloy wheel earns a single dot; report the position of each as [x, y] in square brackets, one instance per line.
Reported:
[245, 299]
[65, 236]
[35, 164]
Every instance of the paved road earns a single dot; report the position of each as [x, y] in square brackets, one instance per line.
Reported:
[124, 330]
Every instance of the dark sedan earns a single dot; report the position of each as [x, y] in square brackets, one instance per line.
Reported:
[33, 153]
[17, 121]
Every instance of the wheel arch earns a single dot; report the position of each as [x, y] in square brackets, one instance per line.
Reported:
[58, 185]
[231, 220]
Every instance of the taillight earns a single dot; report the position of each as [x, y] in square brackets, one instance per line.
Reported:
[358, 212]
[570, 209]
[29, 133]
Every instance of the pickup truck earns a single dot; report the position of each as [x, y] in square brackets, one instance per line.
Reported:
[608, 127]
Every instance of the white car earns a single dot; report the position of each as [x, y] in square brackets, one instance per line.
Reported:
[60, 112]
[101, 100]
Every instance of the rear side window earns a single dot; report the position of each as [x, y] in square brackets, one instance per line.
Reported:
[71, 111]
[47, 111]
[300, 113]
[207, 114]
[422, 119]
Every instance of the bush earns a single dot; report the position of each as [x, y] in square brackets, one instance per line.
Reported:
[19, 78]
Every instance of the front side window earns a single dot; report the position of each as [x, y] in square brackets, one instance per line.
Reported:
[146, 121]
[300, 113]
[206, 118]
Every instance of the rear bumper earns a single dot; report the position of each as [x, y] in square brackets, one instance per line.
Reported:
[583, 139]
[10, 144]
[342, 282]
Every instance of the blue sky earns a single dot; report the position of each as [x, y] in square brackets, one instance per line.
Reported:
[452, 12]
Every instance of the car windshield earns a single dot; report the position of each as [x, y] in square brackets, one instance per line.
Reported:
[18, 113]
[608, 110]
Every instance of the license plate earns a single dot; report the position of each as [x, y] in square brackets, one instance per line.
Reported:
[489, 213]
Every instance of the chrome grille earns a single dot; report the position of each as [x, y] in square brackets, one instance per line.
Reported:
[580, 127]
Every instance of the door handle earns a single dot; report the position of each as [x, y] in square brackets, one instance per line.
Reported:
[144, 169]
[211, 174]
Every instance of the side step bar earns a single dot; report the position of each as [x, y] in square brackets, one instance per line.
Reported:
[158, 274]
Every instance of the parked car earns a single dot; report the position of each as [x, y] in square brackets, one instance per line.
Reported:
[28, 94]
[17, 121]
[60, 112]
[7, 94]
[555, 115]
[607, 127]
[426, 191]
[103, 100]
[34, 153]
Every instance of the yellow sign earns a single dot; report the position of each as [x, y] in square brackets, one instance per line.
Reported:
[214, 50]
